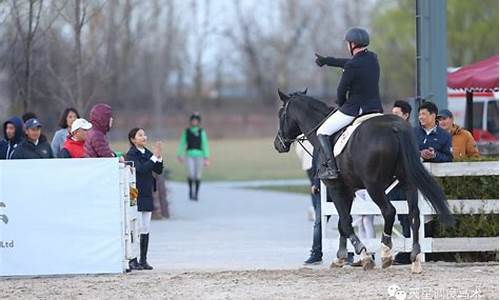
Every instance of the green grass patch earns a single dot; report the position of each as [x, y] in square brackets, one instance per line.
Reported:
[235, 159]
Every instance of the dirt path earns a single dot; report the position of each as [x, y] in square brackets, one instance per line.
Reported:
[439, 281]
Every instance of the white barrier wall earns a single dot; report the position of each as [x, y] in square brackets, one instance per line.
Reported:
[60, 216]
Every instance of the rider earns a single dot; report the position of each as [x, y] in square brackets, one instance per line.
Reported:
[357, 93]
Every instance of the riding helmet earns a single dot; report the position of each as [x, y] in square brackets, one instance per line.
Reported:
[358, 36]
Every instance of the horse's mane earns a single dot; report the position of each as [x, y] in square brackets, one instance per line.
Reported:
[314, 104]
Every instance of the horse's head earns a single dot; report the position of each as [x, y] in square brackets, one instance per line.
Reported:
[288, 127]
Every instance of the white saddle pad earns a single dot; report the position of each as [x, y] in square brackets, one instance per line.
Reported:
[344, 138]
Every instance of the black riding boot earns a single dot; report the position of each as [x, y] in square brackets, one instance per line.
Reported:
[328, 168]
[197, 183]
[133, 264]
[144, 241]
[190, 183]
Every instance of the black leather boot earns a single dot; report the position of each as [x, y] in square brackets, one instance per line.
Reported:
[133, 264]
[196, 189]
[328, 168]
[190, 183]
[144, 242]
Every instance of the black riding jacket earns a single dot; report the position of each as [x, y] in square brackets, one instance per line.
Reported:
[358, 87]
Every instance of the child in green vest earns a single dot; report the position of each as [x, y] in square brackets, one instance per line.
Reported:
[193, 151]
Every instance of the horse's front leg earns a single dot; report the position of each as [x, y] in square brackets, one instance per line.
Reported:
[343, 198]
[342, 251]
[361, 250]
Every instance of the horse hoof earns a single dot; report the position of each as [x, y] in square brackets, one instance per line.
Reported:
[338, 263]
[386, 262]
[416, 266]
[386, 256]
[368, 263]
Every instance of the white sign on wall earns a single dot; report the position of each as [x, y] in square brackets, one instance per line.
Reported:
[60, 216]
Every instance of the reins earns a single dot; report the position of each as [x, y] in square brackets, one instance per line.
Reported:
[303, 138]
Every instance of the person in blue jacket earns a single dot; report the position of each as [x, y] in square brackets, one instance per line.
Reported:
[13, 132]
[433, 142]
[145, 162]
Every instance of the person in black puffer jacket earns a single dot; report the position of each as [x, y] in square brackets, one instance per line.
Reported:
[145, 162]
[33, 147]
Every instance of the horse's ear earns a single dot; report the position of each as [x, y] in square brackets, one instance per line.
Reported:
[305, 91]
[284, 97]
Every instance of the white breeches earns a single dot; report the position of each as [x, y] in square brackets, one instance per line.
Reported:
[194, 167]
[334, 123]
[366, 228]
[144, 221]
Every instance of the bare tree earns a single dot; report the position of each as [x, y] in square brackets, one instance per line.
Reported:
[202, 31]
[295, 20]
[246, 40]
[27, 28]
[81, 83]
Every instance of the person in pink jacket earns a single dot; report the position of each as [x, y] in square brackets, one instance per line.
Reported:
[96, 144]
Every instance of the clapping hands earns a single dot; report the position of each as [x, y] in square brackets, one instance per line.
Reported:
[157, 150]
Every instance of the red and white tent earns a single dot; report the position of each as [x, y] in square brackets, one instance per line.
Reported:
[478, 77]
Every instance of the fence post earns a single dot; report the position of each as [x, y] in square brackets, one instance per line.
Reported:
[421, 231]
[323, 208]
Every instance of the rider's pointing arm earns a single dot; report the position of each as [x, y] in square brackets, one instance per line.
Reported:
[331, 61]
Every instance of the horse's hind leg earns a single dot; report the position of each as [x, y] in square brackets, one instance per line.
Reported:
[388, 212]
[414, 213]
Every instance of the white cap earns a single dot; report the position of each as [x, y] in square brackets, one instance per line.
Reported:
[80, 123]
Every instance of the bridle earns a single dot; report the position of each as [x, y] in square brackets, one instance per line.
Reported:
[300, 140]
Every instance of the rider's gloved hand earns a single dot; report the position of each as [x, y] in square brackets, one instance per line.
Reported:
[320, 60]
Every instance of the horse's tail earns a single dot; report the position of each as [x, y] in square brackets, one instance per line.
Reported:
[418, 175]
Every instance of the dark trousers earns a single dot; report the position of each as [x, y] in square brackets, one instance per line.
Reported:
[317, 245]
[316, 203]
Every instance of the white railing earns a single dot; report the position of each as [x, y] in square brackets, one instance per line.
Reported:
[130, 221]
[428, 245]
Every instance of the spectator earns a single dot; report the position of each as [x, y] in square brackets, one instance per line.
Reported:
[31, 115]
[463, 144]
[13, 135]
[146, 162]
[434, 142]
[403, 109]
[33, 147]
[96, 144]
[304, 152]
[74, 145]
[194, 146]
[68, 117]
[316, 256]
